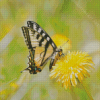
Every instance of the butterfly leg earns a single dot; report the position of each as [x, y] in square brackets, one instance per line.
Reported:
[51, 64]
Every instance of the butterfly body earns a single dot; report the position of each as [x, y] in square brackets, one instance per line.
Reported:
[41, 48]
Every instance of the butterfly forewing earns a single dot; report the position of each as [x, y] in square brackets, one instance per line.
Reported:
[37, 28]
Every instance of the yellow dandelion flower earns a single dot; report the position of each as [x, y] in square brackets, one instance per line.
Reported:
[73, 66]
[13, 85]
[62, 41]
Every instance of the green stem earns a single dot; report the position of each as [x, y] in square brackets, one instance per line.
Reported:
[87, 91]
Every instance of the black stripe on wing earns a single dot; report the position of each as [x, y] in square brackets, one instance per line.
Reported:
[37, 37]
[38, 29]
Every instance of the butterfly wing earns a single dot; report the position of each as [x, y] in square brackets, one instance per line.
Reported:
[56, 54]
[39, 42]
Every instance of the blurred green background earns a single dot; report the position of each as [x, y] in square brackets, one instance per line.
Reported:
[79, 20]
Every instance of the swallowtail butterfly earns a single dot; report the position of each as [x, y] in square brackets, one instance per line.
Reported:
[41, 48]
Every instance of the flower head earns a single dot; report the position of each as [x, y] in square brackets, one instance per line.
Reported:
[73, 66]
[62, 41]
[12, 84]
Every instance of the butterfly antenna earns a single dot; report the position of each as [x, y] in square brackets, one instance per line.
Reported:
[25, 69]
[63, 44]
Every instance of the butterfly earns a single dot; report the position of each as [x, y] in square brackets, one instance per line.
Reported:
[41, 48]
